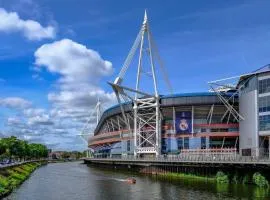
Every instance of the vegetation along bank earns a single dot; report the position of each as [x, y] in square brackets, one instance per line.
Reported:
[11, 177]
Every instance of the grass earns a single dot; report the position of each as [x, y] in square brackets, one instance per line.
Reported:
[173, 175]
[11, 178]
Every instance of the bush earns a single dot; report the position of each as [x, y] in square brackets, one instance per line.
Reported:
[3, 182]
[259, 180]
[221, 177]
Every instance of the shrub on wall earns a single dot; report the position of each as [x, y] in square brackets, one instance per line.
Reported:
[259, 180]
[221, 177]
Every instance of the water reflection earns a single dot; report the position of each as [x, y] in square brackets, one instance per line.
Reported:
[77, 181]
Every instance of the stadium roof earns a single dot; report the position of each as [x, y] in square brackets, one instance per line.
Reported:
[264, 69]
[182, 99]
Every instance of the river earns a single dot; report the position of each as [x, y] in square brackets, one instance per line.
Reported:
[76, 181]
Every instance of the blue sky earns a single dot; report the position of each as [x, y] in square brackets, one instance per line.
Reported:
[43, 97]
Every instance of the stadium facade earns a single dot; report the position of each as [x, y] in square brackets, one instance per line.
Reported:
[227, 119]
[189, 122]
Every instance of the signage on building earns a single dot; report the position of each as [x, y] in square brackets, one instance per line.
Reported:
[183, 122]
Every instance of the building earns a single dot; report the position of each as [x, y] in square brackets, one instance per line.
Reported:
[254, 105]
[231, 118]
[195, 121]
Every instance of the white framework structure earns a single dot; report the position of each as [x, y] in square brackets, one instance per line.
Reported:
[220, 86]
[146, 108]
[86, 131]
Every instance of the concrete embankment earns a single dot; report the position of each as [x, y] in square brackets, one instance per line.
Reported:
[208, 172]
[13, 176]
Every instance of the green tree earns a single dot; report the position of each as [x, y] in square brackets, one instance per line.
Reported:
[12, 147]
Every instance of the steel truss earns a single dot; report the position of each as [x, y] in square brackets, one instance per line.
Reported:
[221, 86]
[146, 109]
[87, 129]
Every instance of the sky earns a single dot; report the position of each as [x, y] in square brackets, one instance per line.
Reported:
[56, 56]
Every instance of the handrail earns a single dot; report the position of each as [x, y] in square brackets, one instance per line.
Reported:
[199, 158]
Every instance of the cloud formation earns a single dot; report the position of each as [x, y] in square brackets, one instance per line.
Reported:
[32, 30]
[15, 102]
[77, 89]
[73, 96]
[80, 71]
[73, 61]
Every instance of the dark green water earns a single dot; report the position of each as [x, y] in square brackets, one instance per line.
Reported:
[72, 181]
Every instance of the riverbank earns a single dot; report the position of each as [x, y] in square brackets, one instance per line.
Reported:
[12, 177]
[257, 175]
[77, 181]
[220, 177]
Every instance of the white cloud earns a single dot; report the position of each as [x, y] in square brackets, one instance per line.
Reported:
[11, 121]
[43, 119]
[85, 97]
[37, 116]
[30, 112]
[32, 30]
[80, 71]
[73, 61]
[15, 102]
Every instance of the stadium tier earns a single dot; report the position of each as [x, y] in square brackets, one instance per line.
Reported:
[194, 121]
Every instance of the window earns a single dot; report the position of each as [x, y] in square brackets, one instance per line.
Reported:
[203, 142]
[180, 143]
[186, 143]
[264, 104]
[163, 145]
[264, 123]
[128, 145]
[264, 86]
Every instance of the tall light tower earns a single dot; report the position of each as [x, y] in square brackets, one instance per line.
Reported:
[146, 107]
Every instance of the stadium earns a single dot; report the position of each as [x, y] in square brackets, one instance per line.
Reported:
[229, 118]
[190, 121]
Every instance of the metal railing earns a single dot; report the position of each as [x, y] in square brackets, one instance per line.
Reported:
[226, 156]
[2, 166]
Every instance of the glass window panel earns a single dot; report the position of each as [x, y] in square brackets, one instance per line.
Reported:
[180, 143]
[264, 123]
[264, 86]
[264, 104]
[186, 143]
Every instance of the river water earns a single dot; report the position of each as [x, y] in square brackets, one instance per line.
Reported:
[76, 181]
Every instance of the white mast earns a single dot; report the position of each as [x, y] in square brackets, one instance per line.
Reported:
[146, 108]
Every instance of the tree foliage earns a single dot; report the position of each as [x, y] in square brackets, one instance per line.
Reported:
[12, 147]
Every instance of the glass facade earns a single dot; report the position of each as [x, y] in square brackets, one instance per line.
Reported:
[264, 86]
[264, 123]
[186, 143]
[180, 143]
[203, 142]
[264, 104]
